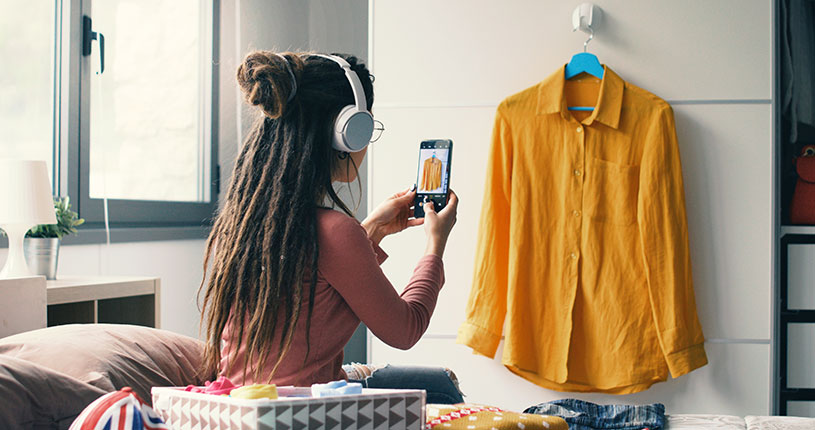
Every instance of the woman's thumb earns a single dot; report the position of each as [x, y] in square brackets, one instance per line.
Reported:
[429, 207]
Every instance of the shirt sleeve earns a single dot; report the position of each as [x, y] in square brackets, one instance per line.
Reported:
[663, 230]
[487, 305]
[381, 255]
[349, 261]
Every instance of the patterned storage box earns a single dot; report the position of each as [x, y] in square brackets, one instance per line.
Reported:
[374, 409]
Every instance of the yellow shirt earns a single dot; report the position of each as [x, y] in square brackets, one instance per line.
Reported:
[431, 174]
[583, 241]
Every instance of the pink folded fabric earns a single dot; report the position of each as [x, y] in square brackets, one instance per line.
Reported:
[218, 387]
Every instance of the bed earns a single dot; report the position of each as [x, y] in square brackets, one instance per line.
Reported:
[48, 376]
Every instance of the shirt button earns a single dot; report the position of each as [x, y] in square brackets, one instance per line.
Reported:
[576, 214]
[579, 129]
[573, 256]
[577, 172]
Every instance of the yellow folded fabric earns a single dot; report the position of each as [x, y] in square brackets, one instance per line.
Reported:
[255, 391]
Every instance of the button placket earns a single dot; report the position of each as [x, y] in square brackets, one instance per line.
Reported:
[579, 177]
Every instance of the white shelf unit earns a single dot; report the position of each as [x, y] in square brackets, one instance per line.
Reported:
[114, 299]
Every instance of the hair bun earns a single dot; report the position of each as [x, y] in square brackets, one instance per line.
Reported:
[266, 79]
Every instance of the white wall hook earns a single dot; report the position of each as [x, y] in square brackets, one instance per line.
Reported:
[585, 17]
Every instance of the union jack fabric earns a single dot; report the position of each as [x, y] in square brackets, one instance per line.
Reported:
[119, 410]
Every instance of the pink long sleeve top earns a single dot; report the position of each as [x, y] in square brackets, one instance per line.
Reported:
[351, 287]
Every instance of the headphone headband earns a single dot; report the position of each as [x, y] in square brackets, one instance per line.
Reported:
[353, 79]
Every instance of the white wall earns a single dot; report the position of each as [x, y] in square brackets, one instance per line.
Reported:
[443, 67]
[282, 25]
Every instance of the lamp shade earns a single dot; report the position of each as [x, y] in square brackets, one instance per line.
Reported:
[25, 193]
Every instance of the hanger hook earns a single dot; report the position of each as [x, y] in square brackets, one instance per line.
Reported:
[591, 36]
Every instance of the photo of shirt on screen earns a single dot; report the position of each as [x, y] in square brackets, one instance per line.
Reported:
[431, 167]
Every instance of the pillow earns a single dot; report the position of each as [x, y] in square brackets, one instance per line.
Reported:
[111, 356]
[35, 397]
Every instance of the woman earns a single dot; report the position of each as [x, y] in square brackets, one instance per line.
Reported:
[290, 279]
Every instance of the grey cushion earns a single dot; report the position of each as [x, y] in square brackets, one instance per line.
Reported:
[91, 359]
[35, 397]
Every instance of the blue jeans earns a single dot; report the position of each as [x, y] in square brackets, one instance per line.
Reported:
[581, 415]
[435, 381]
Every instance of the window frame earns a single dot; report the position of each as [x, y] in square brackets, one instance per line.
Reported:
[72, 155]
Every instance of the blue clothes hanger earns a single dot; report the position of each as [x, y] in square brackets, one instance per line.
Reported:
[584, 62]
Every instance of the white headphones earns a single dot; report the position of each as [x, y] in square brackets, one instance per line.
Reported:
[354, 125]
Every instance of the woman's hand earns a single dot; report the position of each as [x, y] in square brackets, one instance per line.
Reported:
[437, 225]
[392, 216]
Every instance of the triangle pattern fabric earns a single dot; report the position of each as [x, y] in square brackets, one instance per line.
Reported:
[411, 418]
[249, 417]
[283, 417]
[349, 415]
[332, 415]
[314, 423]
[235, 416]
[316, 415]
[348, 422]
[396, 412]
[185, 410]
[370, 411]
[364, 422]
[365, 414]
[300, 416]
[380, 419]
[266, 420]
[214, 413]
[381, 406]
[204, 414]
[224, 417]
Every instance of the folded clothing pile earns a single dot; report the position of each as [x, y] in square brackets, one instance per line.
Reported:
[582, 415]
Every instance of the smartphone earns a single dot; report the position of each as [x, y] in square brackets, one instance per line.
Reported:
[433, 178]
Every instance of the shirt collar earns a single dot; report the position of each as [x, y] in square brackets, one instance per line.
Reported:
[609, 102]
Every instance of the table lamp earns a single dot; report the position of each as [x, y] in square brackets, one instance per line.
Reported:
[25, 201]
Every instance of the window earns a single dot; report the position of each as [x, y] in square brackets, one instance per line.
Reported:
[27, 81]
[136, 141]
[146, 141]
[149, 109]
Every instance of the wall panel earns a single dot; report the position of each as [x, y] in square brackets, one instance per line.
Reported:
[719, 388]
[479, 51]
[442, 68]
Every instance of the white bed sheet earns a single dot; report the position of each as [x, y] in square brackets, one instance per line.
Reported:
[731, 422]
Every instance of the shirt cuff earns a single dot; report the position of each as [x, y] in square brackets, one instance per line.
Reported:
[479, 339]
[686, 360]
[381, 255]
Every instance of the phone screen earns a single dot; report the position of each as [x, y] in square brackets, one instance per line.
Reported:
[433, 177]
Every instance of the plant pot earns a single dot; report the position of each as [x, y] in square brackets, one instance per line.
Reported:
[42, 255]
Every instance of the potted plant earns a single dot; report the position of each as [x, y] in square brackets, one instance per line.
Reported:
[42, 242]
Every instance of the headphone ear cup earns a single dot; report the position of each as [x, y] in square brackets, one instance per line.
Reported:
[352, 129]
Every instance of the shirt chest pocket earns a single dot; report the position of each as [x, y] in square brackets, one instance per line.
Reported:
[611, 191]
